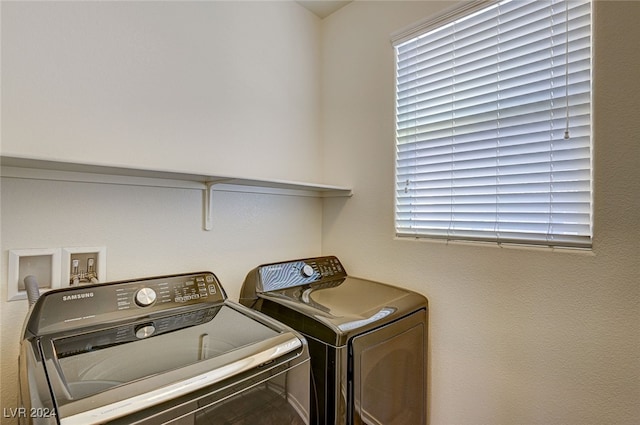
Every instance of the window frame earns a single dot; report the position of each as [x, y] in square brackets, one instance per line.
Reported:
[447, 19]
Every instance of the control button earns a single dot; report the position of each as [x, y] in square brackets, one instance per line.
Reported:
[145, 331]
[307, 271]
[145, 297]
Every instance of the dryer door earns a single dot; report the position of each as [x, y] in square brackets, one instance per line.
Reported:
[389, 373]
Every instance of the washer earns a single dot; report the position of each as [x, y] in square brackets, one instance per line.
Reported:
[368, 340]
[162, 350]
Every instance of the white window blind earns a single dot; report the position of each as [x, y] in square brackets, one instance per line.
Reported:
[483, 104]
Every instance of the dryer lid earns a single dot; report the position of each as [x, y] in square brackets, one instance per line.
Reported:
[349, 305]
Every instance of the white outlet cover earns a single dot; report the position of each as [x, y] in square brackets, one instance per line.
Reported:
[101, 257]
[23, 262]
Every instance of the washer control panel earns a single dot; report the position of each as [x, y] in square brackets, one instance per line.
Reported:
[279, 276]
[81, 306]
[185, 290]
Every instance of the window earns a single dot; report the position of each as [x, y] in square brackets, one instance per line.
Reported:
[493, 124]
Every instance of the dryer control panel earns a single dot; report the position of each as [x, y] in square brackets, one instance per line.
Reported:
[289, 274]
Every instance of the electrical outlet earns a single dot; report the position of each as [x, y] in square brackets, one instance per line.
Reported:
[84, 265]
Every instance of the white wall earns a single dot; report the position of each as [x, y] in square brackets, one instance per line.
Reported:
[517, 335]
[212, 87]
[231, 87]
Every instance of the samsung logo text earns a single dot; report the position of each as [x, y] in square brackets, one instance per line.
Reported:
[77, 296]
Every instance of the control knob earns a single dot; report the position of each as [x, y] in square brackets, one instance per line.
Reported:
[145, 297]
[307, 271]
[145, 331]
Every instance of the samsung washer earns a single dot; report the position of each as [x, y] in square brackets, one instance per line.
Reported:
[162, 350]
[368, 340]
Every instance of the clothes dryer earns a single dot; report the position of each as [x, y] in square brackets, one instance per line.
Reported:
[368, 340]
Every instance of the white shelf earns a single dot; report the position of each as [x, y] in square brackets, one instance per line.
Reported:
[39, 169]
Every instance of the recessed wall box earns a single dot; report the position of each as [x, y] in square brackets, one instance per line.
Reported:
[84, 265]
[43, 263]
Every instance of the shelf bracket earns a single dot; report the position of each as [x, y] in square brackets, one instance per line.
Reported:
[208, 205]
